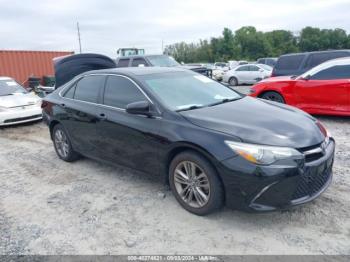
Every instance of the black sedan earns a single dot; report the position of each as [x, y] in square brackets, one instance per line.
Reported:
[213, 145]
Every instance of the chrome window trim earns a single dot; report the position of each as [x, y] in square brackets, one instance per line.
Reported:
[102, 105]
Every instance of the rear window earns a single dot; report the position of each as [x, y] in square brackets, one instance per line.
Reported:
[123, 63]
[290, 62]
[138, 61]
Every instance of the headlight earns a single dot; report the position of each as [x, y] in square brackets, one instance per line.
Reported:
[263, 155]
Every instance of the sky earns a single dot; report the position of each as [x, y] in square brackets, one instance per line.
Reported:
[107, 25]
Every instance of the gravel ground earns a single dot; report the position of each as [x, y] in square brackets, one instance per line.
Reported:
[48, 206]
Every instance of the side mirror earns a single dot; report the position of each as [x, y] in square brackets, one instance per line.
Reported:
[139, 108]
[307, 77]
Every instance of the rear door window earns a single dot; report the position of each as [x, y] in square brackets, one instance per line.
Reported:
[253, 68]
[120, 92]
[243, 68]
[290, 62]
[123, 62]
[334, 72]
[138, 61]
[88, 88]
[70, 92]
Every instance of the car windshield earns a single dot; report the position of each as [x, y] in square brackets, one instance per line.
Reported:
[10, 87]
[185, 91]
[162, 60]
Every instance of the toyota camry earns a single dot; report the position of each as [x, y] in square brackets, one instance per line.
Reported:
[212, 145]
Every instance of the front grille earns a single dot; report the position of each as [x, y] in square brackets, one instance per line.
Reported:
[313, 153]
[313, 180]
[19, 119]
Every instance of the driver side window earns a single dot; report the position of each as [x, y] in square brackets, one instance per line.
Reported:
[334, 72]
[120, 91]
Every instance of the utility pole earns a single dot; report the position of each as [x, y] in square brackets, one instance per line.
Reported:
[79, 37]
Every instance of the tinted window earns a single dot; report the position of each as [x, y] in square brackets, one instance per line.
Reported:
[138, 61]
[70, 92]
[120, 91]
[243, 68]
[123, 63]
[319, 58]
[254, 68]
[335, 72]
[290, 62]
[88, 88]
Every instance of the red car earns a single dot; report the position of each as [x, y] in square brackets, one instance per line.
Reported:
[323, 90]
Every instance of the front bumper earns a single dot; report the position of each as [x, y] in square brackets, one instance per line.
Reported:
[20, 115]
[252, 188]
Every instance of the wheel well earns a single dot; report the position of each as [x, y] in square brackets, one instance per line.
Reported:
[174, 152]
[52, 125]
[266, 91]
[232, 78]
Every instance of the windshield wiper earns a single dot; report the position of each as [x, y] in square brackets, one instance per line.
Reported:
[225, 100]
[189, 108]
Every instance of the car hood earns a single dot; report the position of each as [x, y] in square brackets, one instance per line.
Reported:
[193, 68]
[259, 122]
[17, 100]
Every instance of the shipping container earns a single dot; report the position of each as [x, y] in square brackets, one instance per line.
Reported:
[21, 65]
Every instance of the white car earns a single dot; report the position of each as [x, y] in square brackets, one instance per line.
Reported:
[247, 74]
[17, 105]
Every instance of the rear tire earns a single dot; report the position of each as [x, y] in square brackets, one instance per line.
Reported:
[273, 96]
[195, 183]
[63, 146]
[233, 81]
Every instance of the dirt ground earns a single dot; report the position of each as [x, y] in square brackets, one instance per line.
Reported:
[48, 206]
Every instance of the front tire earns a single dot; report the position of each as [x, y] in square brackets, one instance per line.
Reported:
[273, 96]
[63, 146]
[195, 183]
[233, 81]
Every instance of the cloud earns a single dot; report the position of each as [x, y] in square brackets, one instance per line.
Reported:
[107, 25]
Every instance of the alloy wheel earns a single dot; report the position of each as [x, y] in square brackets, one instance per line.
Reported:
[192, 184]
[61, 143]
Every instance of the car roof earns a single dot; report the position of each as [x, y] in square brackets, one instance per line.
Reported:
[138, 71]
[138, 56]
[338, 61]
[316, 52]
[5, 78]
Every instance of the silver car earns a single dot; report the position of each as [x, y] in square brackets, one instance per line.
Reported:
[247, 74]
[17, 105]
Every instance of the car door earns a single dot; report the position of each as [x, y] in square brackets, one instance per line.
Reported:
[243, 74]
[255, 74]
[127, 139]
[80, 103]
[325, 91]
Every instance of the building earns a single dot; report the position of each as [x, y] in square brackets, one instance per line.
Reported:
[21, 65]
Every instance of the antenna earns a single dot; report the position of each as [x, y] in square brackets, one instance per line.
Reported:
[79, 37]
